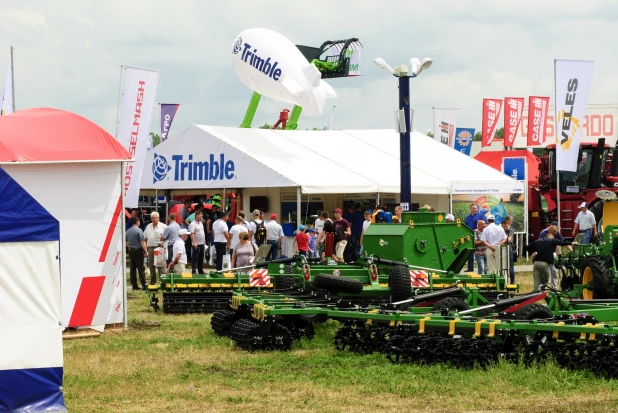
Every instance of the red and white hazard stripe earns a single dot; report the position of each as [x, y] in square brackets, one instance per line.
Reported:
[419, 278]
[259, 278]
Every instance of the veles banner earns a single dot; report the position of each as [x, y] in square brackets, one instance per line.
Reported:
[491, 114]
[537, 115]
[168, 111]
[444, 125]
[463, 140]
[513, 109]
[573, 79]
[138, 100]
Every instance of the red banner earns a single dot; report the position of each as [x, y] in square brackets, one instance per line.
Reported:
[538, 107]
[513, 109]
[491, 113]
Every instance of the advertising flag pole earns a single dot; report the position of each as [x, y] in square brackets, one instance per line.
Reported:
[556, 140]
[12, 78]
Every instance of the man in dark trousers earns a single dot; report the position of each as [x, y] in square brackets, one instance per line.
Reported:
[543, 250]
[137, 253]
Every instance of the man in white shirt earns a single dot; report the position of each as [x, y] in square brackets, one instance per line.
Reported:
[586, 223]
[152, 235]
[366, 224]
[221, 238]
[275, 238]
[319, 225]
[179, 261]
[492, 237]
[198, 242]
[235, 232]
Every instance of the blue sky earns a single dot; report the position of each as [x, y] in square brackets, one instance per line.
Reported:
[68, 54]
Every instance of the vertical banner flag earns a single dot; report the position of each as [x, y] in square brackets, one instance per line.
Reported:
[463, 140]
[491, 114]
[138, 100]
[7, 97]
[537, 117]
[513, 109]
[444, 125]
[573, 78]
[168, 111]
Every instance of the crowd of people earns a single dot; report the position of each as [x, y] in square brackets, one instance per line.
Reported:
[338, 238]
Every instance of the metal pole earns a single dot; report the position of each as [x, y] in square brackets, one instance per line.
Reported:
[123, 249]
[556, 157]
[298, 207]
[405, 196]
[12, 78]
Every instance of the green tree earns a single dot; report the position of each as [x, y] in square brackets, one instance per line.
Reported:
[430, 134]
[477, 137]
[266, 126]
[324, 128]
[156, 139]
[499, 133]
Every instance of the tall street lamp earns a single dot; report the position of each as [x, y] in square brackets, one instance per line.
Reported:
[416, 66]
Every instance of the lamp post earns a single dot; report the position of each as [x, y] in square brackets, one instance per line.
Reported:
[416, 67]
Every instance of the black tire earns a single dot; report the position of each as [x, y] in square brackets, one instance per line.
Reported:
[597, 211]
[222, 321]
[533, 312]
[399, 283]
[601, 285]
[450, 303]
[337, 284]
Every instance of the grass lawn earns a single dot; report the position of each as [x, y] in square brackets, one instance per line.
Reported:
[177, 364]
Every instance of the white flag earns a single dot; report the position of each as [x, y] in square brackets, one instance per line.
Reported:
[138, 101]
[444, 125]
[7, 97]
[573, 79]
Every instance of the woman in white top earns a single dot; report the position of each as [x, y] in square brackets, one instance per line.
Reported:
[152, 236]
[235, 231]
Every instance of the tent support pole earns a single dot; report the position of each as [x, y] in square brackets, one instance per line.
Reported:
[298, 208]
[157, 202]
[123, 250]
[378, 201]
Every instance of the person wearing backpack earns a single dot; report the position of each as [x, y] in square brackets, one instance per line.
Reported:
[342, 231]
[257, 229]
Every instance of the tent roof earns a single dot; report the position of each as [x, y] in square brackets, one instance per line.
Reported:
[494, 159]
[342, 161]
[55, 136]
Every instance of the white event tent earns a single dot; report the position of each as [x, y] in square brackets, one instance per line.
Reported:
[309, 162]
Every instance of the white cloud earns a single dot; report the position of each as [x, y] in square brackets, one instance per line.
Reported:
[68, 54]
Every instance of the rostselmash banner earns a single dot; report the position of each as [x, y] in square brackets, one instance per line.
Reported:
[491, 114]
[513, 109]
[537, 115]
[573, 78]
[7, 97]
[444, 125]
[463, 140]
[138, 100]
[168, 111]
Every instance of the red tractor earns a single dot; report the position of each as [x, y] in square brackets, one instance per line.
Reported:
[595, 173]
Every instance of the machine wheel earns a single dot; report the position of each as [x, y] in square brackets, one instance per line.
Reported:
[595, 272]
[450, 303]
[533, 312]
[282, 282]
[222, 321]
[337, 284]
[399, 283]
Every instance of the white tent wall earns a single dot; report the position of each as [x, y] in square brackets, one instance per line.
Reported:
[85, 199]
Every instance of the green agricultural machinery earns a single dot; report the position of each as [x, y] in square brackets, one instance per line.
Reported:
[423, 255]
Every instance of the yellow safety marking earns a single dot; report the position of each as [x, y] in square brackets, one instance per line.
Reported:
[217, 285]
[373, 311]
[492, 329]
[186, 275]
[582, 336]
[451, 327]
[369, 321]
[193, 285]
[435, 275]
[229, 274]
[411, 224]
[168, 285]
[421, 325]
[555, 333]
[203, 285]
[593, 336]
[512, 286]
[153, 287]
[383, 285]
[181, 285]
[473, 275]
[477, 327]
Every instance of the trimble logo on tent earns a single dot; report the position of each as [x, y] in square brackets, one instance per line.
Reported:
[190, 170]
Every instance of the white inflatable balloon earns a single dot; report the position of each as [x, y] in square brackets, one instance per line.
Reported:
[270, 64]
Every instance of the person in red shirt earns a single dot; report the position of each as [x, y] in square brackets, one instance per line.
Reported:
[342, 231]
[301, 243]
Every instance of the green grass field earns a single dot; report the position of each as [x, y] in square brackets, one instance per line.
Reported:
[175, 363]
[462, 209]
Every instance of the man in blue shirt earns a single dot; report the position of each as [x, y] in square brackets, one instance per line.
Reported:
[471, 222]
[559, 237]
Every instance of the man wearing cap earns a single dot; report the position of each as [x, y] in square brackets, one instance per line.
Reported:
[274, 238]
[543, 252]
[451, 218]
[586, 223]
[342, 232]
[313, 248]
[492, 237]
[137, 252]
[471, 222]
[179, 261]
[559, 237]
[253, 227]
